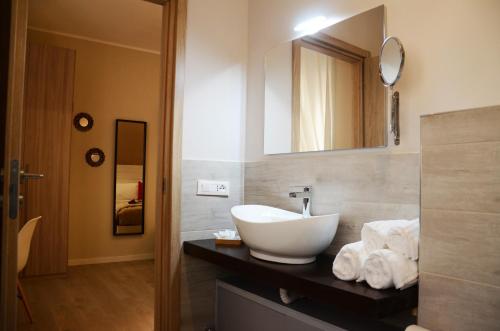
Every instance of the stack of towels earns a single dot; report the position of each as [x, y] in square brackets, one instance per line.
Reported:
[385, 257]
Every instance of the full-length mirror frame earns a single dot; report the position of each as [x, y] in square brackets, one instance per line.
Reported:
[129, 196]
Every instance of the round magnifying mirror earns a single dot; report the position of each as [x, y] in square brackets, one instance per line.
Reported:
[392, 58]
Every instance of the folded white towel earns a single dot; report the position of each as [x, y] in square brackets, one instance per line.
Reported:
[403, 239]
[374, 234]
[349, 261]
[384, 269]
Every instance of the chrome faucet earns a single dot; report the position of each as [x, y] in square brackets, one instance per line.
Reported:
[304, 192]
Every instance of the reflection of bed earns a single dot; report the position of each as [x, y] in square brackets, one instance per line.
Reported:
[128, 206]
[130, 214]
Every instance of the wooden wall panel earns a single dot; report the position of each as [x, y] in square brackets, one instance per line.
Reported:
[46, 150]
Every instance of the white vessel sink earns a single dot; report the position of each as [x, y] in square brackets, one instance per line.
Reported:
[278, 235]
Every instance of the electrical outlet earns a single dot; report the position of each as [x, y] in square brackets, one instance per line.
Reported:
[213, 188]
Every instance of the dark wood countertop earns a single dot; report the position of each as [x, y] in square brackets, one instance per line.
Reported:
[315, 280]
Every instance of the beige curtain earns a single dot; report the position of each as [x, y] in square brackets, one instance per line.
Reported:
[317, 101]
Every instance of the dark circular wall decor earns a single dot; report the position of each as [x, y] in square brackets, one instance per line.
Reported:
[83, 122]
[95, 157]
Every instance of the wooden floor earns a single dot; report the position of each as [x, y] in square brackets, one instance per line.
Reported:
[112, 296]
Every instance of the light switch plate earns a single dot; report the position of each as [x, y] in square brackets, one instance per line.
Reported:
[213, 188]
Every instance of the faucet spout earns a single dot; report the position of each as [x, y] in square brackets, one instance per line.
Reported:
[305, 193]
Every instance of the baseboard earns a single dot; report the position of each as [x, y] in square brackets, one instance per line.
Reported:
[111, 259]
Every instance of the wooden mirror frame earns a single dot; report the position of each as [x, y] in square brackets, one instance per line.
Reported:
[78, 117]
[92, 151]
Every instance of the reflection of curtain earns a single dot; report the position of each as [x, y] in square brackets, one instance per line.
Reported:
[317, 101]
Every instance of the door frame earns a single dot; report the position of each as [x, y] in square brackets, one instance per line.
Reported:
[168, 216]
[168, 195]
[13, 142]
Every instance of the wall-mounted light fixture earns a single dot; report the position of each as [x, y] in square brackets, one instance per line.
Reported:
[313, 25]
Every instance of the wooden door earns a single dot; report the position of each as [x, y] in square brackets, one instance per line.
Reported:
[13, 21]
[48, 108]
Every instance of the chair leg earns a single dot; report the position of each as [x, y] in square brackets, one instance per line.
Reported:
[22, 296]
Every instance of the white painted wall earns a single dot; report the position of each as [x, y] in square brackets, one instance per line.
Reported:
[215, 85]
[278, 97]
[452, 48]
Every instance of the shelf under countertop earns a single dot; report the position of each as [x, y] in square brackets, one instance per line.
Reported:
[314, 280]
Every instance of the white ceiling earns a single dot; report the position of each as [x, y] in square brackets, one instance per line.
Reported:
[134, 23]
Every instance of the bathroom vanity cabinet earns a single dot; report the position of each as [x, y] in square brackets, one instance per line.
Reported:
[234, 305]
[251, 297]
[245, 305]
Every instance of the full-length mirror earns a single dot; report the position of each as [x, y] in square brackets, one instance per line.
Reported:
[130, 177]
[323, 91]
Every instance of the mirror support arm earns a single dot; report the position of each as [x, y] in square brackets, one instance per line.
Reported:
[395, 117]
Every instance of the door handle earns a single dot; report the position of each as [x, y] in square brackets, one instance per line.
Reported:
[14, 189]
[26, 175]
[15, 177]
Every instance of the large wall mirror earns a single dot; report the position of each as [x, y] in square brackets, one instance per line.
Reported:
[323, 91]
[130, 177]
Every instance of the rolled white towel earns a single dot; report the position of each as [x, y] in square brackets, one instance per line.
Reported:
[403, 239]
[374, 234]
[349, 261]
[384, 269]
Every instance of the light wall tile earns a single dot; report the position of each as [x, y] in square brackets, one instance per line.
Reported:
[460, 221]
[369, 177]
[462, 177]
[361, 187]
[467, 126]
[461, 244]
[209, 212]
[447, 304]
[201, 216]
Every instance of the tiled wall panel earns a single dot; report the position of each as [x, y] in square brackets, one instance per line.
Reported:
[460, 232]
[362, 187]
[201, 216]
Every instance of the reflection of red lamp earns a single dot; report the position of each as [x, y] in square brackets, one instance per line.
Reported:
[140, 190]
